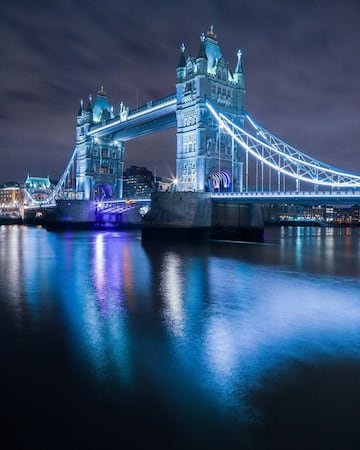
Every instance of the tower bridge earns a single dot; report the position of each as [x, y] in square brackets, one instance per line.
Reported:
[222, 152]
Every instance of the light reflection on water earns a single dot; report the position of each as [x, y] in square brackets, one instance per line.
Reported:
[192, 327]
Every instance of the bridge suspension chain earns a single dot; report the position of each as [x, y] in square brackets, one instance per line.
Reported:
[56, 191]
[281, 157]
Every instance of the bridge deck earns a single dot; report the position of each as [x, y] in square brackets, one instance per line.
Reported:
[304, 197]
[149, 118]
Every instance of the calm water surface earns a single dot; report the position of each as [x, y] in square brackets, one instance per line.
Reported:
[106, 343]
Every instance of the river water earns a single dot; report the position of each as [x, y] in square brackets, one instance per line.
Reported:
[106, 343]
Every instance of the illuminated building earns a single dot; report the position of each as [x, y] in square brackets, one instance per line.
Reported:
[38, 187]
[11, 199]
[138, 182]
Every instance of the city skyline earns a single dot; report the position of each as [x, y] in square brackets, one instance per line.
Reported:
[300, 68]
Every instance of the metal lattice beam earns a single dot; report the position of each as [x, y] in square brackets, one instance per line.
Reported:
[281, 157]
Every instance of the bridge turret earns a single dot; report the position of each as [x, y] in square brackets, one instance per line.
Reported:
[101, 110]
[81, 109]
[89, 110]
[123, 112]
[239, 78]
[83, 120]
[239, 72]
[80, 118]
[202, 60]
[181, 67]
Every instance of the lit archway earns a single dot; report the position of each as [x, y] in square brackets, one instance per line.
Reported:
[103, 192]
[220, 181]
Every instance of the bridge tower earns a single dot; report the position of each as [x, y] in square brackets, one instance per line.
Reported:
[99, 160]
[207, 159]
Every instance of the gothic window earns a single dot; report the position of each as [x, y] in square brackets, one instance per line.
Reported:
[189, 86]
[225, 75]
[189, 68]
[105, 152]
[95, 152]
[113, 154]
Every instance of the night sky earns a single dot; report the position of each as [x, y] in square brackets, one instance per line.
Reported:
[301, 62]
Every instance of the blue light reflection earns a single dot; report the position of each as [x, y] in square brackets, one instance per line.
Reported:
[195, 327]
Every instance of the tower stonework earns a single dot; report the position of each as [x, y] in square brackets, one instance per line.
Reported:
[206, 159]
[99, 160]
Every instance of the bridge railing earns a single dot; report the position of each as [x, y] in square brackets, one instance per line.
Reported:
[347, 193]
[152, 104]
[132, 114]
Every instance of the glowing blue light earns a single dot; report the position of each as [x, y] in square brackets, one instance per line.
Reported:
[224, 122]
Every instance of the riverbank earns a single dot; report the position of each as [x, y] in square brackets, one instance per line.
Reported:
[9, 220]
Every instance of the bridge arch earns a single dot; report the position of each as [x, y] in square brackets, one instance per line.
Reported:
[102, 192]
[219, 181]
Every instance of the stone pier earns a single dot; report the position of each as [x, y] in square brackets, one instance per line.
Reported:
[197, 216]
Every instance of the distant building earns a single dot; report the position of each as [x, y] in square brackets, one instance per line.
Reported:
[11, 198]
[37, 183]
[38, 187]
[138, 182]
[327, 214]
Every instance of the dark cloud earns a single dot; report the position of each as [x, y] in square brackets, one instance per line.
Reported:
[300, 59]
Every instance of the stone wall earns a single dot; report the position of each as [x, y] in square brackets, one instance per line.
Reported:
[196, 216]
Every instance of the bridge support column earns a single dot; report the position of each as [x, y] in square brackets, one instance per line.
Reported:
[71, 214]
[237, 221]
[196, 216]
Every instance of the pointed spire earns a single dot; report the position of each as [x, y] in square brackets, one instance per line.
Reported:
[102, 92]
[211, 33]
[202, 52]
[89, 105]
[81, 107]
[238, 75]
[182, 62]
[239, 68]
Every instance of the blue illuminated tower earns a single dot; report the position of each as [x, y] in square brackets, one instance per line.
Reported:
[99, 160]
[207, 159]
